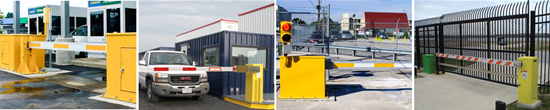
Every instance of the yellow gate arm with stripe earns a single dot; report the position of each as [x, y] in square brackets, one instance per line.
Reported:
[372, 65]
[69, 46]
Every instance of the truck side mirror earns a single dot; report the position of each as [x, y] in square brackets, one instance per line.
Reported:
[142, 62]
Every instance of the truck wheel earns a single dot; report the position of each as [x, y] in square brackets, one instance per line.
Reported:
[151, 97]
[198, 98]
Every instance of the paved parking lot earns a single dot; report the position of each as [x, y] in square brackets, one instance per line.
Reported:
[361, 89]
[210, 102]
[17, 92]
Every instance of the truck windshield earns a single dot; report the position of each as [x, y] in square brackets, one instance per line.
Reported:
[166, 58]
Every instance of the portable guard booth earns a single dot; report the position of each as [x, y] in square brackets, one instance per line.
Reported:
[231, 48]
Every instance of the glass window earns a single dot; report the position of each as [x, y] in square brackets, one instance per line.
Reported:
[80, 21]
[145, 57]
[71, 24]
[56, 25]
[248, 55]
[211, 56]
[81, 31]
[113, 20]
[166, 58]
[96, 23]
[40, 25]
[130, 20]
[32, 26]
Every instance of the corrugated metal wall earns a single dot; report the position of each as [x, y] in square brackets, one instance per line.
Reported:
[222, 82]
[260, 21]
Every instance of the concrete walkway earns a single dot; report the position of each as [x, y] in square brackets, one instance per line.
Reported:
[456, 92]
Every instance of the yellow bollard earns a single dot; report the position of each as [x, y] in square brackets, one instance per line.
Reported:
[404, 39]
[393, 39]
[527, 80]
[254, 85]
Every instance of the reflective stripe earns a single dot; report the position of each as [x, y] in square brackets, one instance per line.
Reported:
[372, 65]
[476, 59]
[69, 46]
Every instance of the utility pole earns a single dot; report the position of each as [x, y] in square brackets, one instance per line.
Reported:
[319, 14]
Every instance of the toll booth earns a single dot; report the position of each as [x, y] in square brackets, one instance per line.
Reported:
[77, 16]
[109, 17]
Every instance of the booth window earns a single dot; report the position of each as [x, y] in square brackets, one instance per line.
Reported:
[80, 32]
[56, 25]
[113, 20]
[248, 55]
[72, 24]
[96, 21]
[40, 25]
[80, 21]
[32, 26]
[211, 56]
[130, 20]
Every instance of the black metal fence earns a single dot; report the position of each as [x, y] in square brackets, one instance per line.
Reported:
[503, 32]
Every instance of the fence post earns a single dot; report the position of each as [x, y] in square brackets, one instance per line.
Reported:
[527, 80]
[532, 34]
[489, 47]
[336, 51]
[373, 55]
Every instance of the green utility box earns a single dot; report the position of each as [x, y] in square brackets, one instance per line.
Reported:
[429, 63]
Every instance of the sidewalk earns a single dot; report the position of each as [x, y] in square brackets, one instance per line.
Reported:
[456, 92]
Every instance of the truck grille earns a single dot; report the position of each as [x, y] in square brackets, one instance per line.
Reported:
[178, 79]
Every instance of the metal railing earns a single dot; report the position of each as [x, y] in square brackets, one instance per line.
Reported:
[354, 48]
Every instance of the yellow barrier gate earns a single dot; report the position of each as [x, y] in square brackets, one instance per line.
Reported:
[527, 76]
[121, 67]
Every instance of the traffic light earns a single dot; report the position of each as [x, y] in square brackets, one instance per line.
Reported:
[286, 32]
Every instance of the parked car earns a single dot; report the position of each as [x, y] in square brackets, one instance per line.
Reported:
[382, 34]
[316, 37]
[171, 83]
[335, 35]
[346, 35]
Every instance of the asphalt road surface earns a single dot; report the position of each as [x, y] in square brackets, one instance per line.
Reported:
[210, 102]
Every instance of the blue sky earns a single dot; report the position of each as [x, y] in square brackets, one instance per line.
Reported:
[358, 7]
[161, 21]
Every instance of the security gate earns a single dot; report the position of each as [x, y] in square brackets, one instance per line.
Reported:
[498, 32]
[503, 32]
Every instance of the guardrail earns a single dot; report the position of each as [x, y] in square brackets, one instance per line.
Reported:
[380, 42]
[357, 48]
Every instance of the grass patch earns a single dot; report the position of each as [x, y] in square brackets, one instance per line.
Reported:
[544, 106]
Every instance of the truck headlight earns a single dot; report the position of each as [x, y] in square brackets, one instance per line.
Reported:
[204, 75]
[161, 75]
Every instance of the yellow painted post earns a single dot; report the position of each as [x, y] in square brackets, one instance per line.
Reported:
[404, 39]
[393, 39]
[254, 85]
[121, 67]
[527, 80]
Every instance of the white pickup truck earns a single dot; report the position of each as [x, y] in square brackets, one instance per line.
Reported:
[171, 83]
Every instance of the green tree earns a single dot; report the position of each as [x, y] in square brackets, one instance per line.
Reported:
[1, 17]
[298, 21]
[9, 15]
[334, 24]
